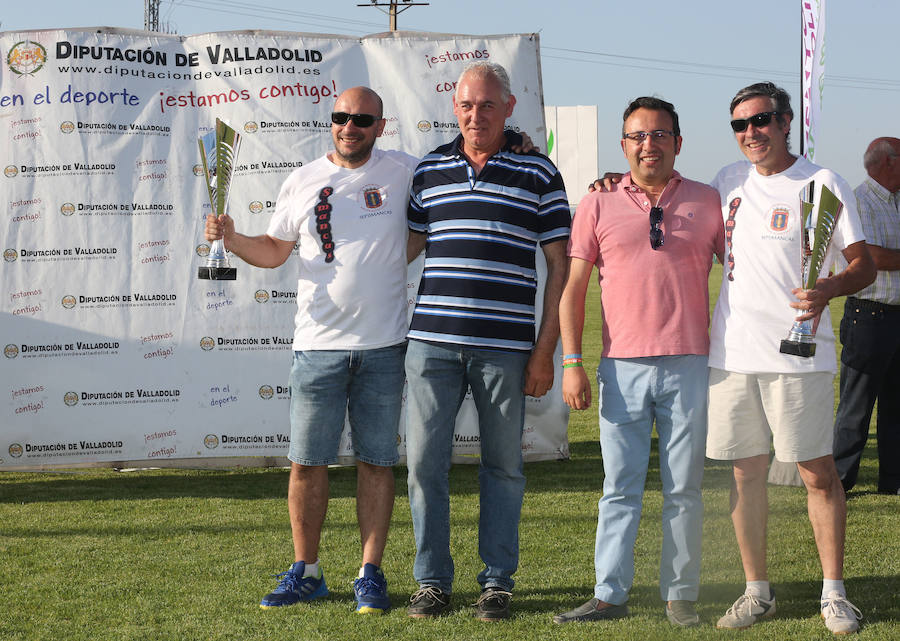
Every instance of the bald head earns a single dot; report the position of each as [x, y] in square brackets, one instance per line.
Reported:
[357, 95]
[354, 138]
[882, 162]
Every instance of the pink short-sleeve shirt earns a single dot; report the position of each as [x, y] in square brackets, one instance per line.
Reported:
[654, 302]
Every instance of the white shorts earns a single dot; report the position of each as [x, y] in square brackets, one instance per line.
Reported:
[748, 411]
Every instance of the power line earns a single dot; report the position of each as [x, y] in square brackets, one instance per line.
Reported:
[357, 27]
[718, 71]
[282, 15]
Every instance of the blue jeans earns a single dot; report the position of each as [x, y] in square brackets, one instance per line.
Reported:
[437, 380]
[632, 393]
[364, 385]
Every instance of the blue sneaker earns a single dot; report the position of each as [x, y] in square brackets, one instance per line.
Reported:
[371, 591]
[294, 587]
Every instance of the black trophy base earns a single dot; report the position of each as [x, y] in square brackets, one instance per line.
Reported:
[217, 273]
[796, 348]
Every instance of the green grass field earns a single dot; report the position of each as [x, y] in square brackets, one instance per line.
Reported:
[172, 554]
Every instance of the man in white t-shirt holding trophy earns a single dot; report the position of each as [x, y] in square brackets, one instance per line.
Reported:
[346, 212]
[757, 390]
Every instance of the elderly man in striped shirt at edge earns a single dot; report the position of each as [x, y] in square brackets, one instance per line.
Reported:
[870, 359]
[480, 211]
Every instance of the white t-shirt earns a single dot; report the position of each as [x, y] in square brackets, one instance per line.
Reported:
[357, 300]
[762, 266]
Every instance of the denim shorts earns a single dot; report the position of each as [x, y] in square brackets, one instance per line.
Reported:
[364, 385]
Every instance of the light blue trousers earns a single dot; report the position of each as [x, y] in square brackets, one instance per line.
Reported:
[633, 393]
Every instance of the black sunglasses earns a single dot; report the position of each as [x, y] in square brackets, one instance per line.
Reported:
[657, 237]
[759, 120]
[360, 120]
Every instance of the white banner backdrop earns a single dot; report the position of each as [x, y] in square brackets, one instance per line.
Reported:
[572, 146]
[113, 349]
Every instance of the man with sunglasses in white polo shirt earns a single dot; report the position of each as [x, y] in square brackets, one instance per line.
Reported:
[652, 238]
[756, 393]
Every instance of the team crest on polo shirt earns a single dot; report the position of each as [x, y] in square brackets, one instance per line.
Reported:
[371, 196]
[780, 217]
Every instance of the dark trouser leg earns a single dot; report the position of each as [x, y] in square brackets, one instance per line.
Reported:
[888, 427]
[851, 424]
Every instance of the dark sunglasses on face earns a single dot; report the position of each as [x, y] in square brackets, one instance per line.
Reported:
[758, 120]
[657, 238]
[360, 120]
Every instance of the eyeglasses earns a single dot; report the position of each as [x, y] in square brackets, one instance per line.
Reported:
[360, 120]
[759, 120]
[657, 237]
[656, 135]
[323, 222]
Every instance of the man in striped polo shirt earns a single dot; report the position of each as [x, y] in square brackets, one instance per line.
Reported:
[870, 360]
[480, 211]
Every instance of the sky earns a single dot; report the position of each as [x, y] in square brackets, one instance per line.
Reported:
[695, 54]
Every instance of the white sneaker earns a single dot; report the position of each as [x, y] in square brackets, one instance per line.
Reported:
[841, 616]
[747, 610]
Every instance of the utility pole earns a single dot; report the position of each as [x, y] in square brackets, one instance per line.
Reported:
[393, 9]
[151, 15]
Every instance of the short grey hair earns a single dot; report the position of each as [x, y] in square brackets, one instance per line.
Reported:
[488, 70]
[876, 153]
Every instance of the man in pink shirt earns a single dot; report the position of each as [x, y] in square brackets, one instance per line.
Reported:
[652, 238]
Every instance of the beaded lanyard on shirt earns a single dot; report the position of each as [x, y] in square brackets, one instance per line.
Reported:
[322, 211]
[729, 232]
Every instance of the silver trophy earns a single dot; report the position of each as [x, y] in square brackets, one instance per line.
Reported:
[218, 153]
[816, 238]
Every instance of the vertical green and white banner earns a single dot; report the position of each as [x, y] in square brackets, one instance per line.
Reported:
[113, 349]
[812, 18]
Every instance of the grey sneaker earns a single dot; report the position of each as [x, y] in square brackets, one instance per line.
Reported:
[682, 613]
[747, 610]
[841, 616]
[588, 611]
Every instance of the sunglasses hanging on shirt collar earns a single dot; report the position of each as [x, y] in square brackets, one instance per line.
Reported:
[657, 237]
